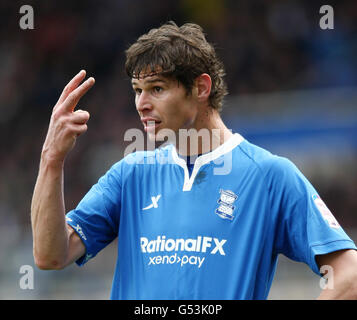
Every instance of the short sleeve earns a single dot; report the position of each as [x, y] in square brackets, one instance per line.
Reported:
[305, 227]
[96, 218]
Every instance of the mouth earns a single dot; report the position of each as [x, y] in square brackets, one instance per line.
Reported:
[150, 124]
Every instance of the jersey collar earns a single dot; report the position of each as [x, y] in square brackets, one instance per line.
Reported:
[223, 149]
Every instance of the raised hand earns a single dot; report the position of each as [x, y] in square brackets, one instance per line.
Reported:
[66, 124]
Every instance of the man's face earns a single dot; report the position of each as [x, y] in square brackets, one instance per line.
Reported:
[163, 103]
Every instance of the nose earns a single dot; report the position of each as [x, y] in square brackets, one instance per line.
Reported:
[142, 102]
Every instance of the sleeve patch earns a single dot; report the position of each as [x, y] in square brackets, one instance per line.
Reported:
[325, 212]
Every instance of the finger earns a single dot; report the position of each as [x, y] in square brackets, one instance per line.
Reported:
[72, 99]
[79, 129]
[80, 117]
[73, 84]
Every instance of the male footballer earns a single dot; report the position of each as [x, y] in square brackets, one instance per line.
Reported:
[203, 217]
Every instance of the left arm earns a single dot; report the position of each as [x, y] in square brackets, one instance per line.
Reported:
[343, 276]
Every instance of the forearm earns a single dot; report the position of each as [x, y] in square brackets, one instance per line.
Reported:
[54, 246]
[342, 275]
[344, 288]
[50, 235]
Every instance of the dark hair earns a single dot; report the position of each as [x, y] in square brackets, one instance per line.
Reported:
[179, 52]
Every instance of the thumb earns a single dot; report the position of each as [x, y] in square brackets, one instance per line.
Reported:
[80, 116]
[80, 111]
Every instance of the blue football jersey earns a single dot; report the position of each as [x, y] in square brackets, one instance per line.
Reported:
[213, 233]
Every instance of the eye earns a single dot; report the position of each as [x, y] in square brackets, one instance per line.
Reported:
[137, 91]
[157, 89]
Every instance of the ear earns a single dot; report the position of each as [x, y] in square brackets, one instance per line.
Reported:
[203, 85]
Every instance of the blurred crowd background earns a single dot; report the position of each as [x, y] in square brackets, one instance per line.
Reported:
[292, 90]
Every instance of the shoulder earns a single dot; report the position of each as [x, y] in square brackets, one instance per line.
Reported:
[156, 156]
[267, 162]
[141, 160]
[278, 173]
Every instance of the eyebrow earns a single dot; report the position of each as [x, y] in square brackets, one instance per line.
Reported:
[133, 82]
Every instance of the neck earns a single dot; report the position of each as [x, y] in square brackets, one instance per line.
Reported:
[207, 133]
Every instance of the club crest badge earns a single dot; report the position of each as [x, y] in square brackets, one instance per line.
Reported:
[226, 208]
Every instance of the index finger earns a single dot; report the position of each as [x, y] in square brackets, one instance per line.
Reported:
[72, 99]
[73, 84]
